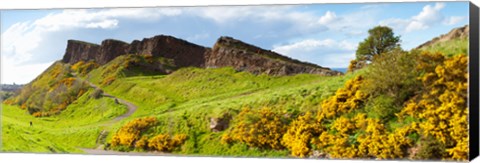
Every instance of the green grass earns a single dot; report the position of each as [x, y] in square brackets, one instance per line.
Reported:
[450, 47]
[77, 127]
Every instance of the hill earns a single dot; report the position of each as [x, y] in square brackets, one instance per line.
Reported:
[451, 43]
[236, 99]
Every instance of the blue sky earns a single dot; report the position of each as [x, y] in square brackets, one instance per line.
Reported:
[324, 34]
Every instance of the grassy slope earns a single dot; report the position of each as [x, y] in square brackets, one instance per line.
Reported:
[78, 126]
[450, 47]
[193, 95]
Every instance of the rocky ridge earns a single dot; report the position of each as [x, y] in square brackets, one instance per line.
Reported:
[227, 51]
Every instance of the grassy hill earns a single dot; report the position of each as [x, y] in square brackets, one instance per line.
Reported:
[189, 95]
[404, 105]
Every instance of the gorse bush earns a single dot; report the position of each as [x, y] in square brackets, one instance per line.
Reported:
[132, 136]
[166, 143]
[345, 99]
[128, 134]
[442, 107]
[83, 68]
[260, 128]
[299, 134]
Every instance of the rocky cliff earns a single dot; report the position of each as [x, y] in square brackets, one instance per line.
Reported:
[226, 52]
[245, 57]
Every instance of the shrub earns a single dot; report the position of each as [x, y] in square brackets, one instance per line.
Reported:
[164, 143]
[128, 134]
[430, 148]
[299, 134]
[393, 74]
[356, 65]
[345, 99]
[382, 107]
[258, 128]
[97, 93]
[108, 80]
[83, 68]
[142, 143]
[442, 105]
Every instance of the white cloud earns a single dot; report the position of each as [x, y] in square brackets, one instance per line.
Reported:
[327, 18]
[428, 17]
[453, 20]
[105, 24]
[327, 52]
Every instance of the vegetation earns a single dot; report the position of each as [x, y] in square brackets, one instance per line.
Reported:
[449, 48]
[51, 92]
[380, 40]
[402, 105]
[258, 128]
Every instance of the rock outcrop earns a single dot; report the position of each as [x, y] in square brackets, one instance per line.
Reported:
[226, 52]
[245, 57]
[182, 52]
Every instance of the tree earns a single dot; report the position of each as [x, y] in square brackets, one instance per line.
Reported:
[381, 39]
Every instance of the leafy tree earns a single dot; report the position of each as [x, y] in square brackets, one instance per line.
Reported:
[381, 39]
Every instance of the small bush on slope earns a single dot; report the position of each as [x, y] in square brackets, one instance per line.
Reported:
[258, 128]
[132, 131]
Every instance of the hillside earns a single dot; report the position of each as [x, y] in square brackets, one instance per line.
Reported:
[451, 43]
[163, 95]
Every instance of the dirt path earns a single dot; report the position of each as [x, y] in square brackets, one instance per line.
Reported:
[110, 152]
[130, 106]
[102, 136]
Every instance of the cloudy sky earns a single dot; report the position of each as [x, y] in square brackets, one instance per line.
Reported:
[324, 34]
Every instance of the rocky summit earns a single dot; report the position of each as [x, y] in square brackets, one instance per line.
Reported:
[227, 51]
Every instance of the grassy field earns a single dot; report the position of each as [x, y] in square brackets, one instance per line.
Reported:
[78, 126]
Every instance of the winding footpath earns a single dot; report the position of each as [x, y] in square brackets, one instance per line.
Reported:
[131, 109]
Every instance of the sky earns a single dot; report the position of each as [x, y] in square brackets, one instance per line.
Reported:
[324, 34]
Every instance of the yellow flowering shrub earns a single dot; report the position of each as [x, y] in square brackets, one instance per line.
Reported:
[345, 99]
[299, 134]
[442, 107]
[128, 134]
[83, 68]
[338, 142]
[165, 143]
[261, 128]
[378, 143]
[142, 143]
[108, 80]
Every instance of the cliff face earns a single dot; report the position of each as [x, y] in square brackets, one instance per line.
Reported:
[182, 52]
[226, 52]
[79, 51]
[245, 57]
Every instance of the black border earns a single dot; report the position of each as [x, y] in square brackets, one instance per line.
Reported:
[473, 104]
